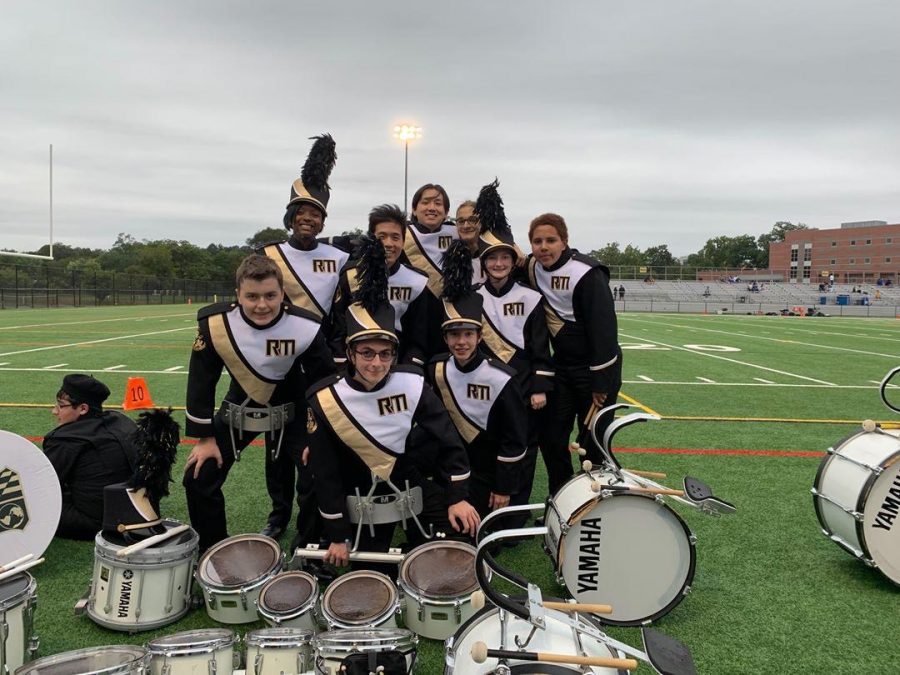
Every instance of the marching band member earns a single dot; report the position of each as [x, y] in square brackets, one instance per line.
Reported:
[311, 271]
[481, 394]
[515, 327]
[272, 350]
[359, 428]
[581, 319]
[406, 289]
[468, 227]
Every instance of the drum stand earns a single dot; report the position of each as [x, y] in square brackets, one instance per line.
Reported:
[268, 420]
[371, 509]
[664, 654]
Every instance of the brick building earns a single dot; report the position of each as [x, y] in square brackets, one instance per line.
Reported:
[860, 252]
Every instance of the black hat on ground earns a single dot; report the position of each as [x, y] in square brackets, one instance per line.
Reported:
[84, 389]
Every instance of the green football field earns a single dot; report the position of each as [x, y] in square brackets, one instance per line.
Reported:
[748, 404]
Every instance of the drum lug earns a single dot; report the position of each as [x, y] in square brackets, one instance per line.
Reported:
[244, 599]
[33, 645]
[692, 539]
[211, 667]
[563, 528]
[257, 663]
[687, 589]
[421, 611]
[659, 499]
[457, 608]
[211, 603]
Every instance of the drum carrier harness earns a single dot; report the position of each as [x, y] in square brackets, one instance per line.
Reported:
[270, 419]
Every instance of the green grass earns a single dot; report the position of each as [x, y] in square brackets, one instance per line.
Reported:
[770, 592]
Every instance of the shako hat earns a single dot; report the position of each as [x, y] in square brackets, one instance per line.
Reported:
[495, 230]
[312, 186]
[131, 509]
[371, 315]
[461, 304]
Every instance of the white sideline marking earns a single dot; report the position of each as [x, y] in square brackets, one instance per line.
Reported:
[645, 378]
[58, 365]
[759, 379]
[5, 363]
[173, 369]
[708, 381]
[73, 323]
[730, 360]
[81, 370]
[121, 365]
[753, 384]
[91, 342]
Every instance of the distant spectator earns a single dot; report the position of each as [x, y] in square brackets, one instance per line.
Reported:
[621, 292]
[706, 292]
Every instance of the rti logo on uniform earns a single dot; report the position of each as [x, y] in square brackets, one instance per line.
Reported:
[324, 266]
[280, 347]
[391, 405]
[514, 309]
[13, 514]
[479, 392]
[559, 283]
[444, 242]
[400, 293]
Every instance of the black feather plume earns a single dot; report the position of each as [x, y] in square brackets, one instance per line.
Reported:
[319, 163]
[156, 444]
[457, 262]
[372, 274]
[489, 209]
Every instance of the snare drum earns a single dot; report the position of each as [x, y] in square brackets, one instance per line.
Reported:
[556, 638]
[437, 580]
[361, 599]
[392, 648]
[18, 597]
[289, 599]
[628, 550]
[277, 651]
[232, 573]
[116, 660]
[144, 590]
[856, 496]
[194, 652]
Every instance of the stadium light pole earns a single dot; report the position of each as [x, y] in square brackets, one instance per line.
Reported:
[406, 133]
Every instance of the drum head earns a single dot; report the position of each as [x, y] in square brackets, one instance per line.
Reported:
[30, 499]
[441, 569]
[360, 597]
[93, 661]
[191, 641]
[880, 524]
[288, 592]
[238, 561]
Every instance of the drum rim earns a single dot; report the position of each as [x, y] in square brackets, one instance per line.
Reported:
[141, 654]
[392, 608]
[861, 502]
[417, 593]
[250, 583]
[227, 639]
[279, 637]
[18, 598]
[153, 556]
[304, 607]
[678, 597]
[349, 637]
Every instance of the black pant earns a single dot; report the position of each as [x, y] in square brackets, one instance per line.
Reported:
[281, 475]
[74, 524]
[570, 399]
[206, 503]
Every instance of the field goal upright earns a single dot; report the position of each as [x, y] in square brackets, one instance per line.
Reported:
[19, 254]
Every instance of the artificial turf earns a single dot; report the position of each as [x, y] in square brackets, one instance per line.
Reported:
[770, 593]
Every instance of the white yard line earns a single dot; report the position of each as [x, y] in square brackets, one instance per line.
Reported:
[89, 370]
[725, 358]
[58, 365]
[74, 323]
[121, 365]
[759, 379]
[772, 385]
[173, 369]
[91, 342]
[5, 363]
[645, 378]
[704, 379]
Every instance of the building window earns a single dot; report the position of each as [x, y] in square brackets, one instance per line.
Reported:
[833, 261]
[806, 272]
[868, 242]
[889, 240]
[867, 261]
[807, 254]
[853, 242]
[834, 243]
[852, 261]
[887, 260]
[794, 255]
[793, 274]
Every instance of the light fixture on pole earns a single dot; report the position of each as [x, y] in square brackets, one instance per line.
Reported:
[406, 133]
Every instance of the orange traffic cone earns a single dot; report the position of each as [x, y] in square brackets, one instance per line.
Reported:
[137, 394]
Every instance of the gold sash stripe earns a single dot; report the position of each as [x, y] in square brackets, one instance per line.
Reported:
[296, 291]
[465, 428]
[499, 346]
[257, 388]
[379, 462]
[418, 259]
[554, 322]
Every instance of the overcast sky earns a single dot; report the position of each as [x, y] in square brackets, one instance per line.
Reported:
[640, 122]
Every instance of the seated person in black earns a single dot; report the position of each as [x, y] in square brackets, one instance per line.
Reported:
[90, 449]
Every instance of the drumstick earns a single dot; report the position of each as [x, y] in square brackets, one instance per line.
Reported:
[150, 541]
[646, 474]
[596, 487]
[21, 568]
[314, 552]
[480, 654]
[18, 561]
[590, 608]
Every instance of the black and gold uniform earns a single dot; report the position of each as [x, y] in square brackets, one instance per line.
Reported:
[408, 296]
[581, 319]
[271, 364]
[486, 407]
[354, 433]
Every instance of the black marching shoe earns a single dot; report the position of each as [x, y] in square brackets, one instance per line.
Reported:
[272, 530]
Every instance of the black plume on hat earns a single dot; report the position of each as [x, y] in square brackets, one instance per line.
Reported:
[495, 231]
[85, 389]
[461, 304]
[156, 446]
[371, 315]
[312, 186]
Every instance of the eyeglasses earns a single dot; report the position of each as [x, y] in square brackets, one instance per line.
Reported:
[471, 220]
[60, 406]
[370, 354]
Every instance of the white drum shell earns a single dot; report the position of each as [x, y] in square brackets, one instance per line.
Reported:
[193, 659]
[857, 477]
[333, 646]
[627, 550]
[17, 614]
[112, 660]
[277, 651]
[387, 618]
[303, 616]
[145, 590]
[485, 627]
